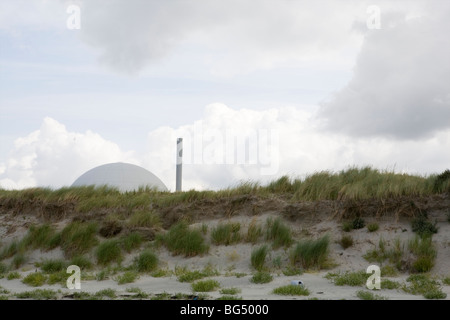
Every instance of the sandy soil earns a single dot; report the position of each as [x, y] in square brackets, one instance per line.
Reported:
[233, 261]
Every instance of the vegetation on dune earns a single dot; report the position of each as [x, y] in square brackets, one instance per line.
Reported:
[352, 183]
[311, 253]
[180, 239]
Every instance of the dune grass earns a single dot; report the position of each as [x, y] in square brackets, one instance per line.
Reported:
[258, 257]
[424, 285]
[109, 251]
[147, 261]
[145, 219]
[291, 290]
[78, 238]
[181, 240]
[205, 285]
[311, 253]
[261, 277]
[35, 279]
[278, 233]
[226, 233]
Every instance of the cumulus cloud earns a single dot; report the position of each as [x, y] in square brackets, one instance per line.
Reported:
[400, 86]
[301, 149]
[224, 147]
[53, 156]
[236, 36]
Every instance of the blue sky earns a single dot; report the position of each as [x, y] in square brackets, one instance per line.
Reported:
[138, 74]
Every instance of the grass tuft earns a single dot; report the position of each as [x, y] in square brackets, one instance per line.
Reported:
[258, 257]
[226, 234]
[261, 277]
[147, 261]
[78, 238]
[109, 251]
[205, 285]
[181, 240]
[278, 233]
[311, 253]
[291, 290]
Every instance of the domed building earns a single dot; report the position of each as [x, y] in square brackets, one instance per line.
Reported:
[123, 176]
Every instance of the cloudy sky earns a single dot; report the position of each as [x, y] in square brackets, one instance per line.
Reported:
[256, 88]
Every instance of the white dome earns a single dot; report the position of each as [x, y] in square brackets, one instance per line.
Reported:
[123, 176]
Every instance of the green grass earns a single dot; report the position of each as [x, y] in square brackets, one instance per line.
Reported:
[258, 257]
[144, 219]
[278, 233]
[38, 294]
[346, 241]
[147, 261]
[189, 276]
[205, 285]
[226, 233]
[229, 297]
[108, 293]
[446, 281]
[424, 285]
[261, 277]
[108, 252]
[13, 275]
[180, 240]
[230, 291]
[347, 226]
[19, 260]
[58, 277]
[81, 261]
[367, 295]
[127, 277]
[35, 279]
[43, 236]
[132, 241]
[3, 268]
[422, 226]
[425, 252]
[53, 265]
[393, 253]
[11, 249]
[372, 227]
[291, 290]
[389, 284]
[78, 238]
[352, 183]
[311, 253]
[353, 279]
[254, 232]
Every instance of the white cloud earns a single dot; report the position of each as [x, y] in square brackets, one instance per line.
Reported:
[302, 149]
[53, 156]
[400, 84]
[213, 158]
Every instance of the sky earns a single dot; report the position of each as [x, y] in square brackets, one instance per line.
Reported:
[257, 89]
